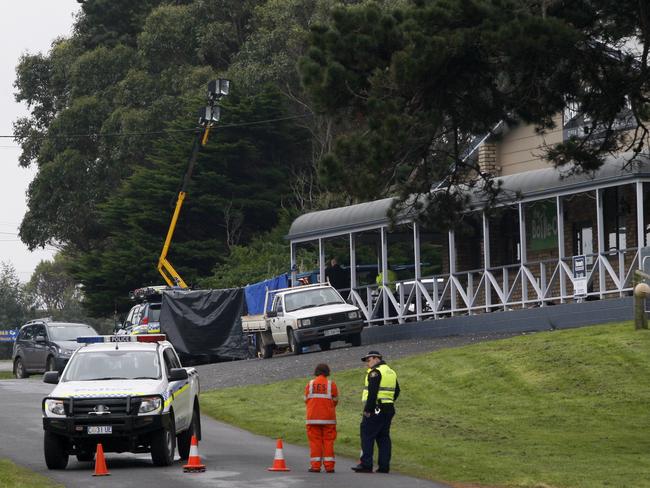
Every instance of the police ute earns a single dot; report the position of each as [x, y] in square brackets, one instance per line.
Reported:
[128, 393]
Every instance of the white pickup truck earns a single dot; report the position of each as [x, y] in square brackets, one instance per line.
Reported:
[128, 393]
[301, 316]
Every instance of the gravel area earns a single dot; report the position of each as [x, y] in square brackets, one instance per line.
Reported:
[340, 357]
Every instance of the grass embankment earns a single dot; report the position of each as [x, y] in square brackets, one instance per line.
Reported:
[561, 409]
[13, 476]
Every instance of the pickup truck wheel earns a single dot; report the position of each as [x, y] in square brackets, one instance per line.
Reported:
[163, 444]
[184, 439]
[355, 339]
[19, 369]
[263, 351]
[294, 345]
[85, 456]
[325, 345]
[54, 447]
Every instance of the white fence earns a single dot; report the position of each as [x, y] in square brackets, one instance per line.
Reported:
[537, 283]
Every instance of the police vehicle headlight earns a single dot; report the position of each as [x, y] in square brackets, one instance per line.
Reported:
[353, 315]
[305, 322]
[150, 404]
[54, 408]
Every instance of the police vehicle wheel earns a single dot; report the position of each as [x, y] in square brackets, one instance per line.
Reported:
[355, 340]
[19, 369]
[184, 438]
[163, 444]
[56, 456]
[294, 345]
[50, 365]
[85, 456]
[325, 345]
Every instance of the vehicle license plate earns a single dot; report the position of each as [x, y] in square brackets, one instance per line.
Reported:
[331, 332]
[100, 429]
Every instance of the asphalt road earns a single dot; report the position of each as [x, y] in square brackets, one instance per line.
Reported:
[234, 458]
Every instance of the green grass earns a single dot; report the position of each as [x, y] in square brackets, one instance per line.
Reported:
[553, 409]
[13, 476]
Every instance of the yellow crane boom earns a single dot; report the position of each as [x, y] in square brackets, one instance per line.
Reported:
[207, 117]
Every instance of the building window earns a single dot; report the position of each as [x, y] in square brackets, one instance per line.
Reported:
[583, 240]
[615, 211]
[510, 235]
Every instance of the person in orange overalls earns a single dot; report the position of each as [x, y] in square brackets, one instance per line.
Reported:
[321, 398]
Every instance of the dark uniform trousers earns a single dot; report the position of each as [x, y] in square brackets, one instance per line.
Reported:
[377, 428]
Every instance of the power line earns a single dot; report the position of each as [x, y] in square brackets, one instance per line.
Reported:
[169, 131]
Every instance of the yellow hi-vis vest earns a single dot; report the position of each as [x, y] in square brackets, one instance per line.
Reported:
[386, 393]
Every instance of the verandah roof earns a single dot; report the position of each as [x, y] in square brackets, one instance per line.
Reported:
[529, 185]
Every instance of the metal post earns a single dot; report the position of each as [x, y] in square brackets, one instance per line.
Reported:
[321, 261]
[353, 262]
[640, 217]
[294, 266]
[452, 270]
[384, 272]
[486, 262]
[506, 285]
[522, 252]
[418, 269]
[600, 230]
[559, 205]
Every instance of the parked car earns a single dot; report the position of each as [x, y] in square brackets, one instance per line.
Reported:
[144, 317]
[43, 345]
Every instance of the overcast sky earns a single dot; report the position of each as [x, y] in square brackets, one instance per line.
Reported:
[25, 26]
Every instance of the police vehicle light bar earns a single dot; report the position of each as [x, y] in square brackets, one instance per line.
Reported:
[122, 338]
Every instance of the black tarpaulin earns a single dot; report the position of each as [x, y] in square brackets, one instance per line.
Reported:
[202, 323]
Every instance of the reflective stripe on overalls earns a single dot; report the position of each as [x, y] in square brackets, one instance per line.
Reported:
[387, 385]
[324, 396]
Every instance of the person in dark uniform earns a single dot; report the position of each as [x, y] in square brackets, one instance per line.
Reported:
[379, 394]
[336, 275]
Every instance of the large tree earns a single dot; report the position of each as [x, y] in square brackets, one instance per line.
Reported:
[240, 180]
[416, 85]
[14, 302]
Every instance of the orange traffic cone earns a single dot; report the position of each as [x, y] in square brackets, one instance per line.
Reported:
[278, 461]
[194, 461]
[100, 463]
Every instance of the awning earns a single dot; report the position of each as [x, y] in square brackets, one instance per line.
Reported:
[529, 185]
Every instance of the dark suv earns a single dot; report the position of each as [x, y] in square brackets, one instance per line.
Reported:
[43, 345]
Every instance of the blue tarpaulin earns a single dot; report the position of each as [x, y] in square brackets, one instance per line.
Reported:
[256, 292]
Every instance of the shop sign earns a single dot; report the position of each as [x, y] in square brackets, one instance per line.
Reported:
[543, 226]
[579, 276]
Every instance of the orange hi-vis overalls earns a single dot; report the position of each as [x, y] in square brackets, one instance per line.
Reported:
[321, 397]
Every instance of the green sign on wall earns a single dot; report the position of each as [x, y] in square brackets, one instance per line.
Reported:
[543, 226]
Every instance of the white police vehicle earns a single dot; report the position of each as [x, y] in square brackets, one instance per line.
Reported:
[128, 393]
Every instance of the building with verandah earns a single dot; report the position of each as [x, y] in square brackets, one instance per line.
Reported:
[519, 255]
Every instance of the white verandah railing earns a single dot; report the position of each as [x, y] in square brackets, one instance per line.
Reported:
[536, 283]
